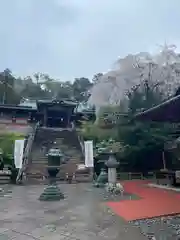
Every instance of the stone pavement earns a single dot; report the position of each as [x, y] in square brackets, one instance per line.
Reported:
[81, 216]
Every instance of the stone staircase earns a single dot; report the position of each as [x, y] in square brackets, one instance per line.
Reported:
[66, 140]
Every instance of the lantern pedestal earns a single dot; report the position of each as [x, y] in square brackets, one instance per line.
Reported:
[112, 185]
[52, 192]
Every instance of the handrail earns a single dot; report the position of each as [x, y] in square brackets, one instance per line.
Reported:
[26, 154]
[81, 142]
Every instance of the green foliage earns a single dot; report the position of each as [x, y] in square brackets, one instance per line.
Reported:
[109, 116]
[146, 135]
[41, 86]
[143, 140]
[107, 146]
[92, 131]
[7, 93]
[80, 86]
[140, 143]
[7, 146]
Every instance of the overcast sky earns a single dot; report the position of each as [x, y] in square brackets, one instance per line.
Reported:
[74, 38]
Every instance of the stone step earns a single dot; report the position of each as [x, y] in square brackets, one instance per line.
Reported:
[5, 179]
[66, 140]
[39, 157]
[44, 178]
[67, 151]
[42, 165]
[40, 160]
[83, 178]
[60, 177]
[42, 171]
[69, 159]
[37, 164]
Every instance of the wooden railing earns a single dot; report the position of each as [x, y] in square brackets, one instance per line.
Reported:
[129, 175]
[27, 154]
[159, 177]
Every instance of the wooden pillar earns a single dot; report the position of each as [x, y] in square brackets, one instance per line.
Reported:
[68, 120]
[45, 117]
[164, 161]
[14, 117]
[30, 117]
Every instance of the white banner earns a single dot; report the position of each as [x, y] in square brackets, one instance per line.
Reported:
[89, 160]
[18, 153]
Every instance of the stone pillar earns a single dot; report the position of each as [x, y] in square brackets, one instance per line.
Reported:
[112, 175]
[113, 186]
[112, 165]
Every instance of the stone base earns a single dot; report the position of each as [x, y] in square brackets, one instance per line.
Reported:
[51, 193]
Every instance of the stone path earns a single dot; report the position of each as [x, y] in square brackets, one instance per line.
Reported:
[81, 216]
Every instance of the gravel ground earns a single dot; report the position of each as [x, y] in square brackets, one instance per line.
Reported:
[103, 196]
[163, 228]
[82, 215]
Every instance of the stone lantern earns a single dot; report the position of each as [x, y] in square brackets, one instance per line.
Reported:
[52, 192]
[112, 165]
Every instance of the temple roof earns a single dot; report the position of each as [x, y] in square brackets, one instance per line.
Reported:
[168, 111]
[27, 102]
[16, 107]
[67, 103]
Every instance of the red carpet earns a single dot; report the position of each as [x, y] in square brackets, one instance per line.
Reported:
[153, 202]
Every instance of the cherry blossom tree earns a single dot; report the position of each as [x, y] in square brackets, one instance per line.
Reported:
[160, 72]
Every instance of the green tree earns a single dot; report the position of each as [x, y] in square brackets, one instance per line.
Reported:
[145, 141]
[65, 91]
[92, 131]
[80, 87]
[32, 89]
[7, 146]
[7, 93]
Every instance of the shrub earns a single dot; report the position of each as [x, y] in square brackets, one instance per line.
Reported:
[7, 146]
